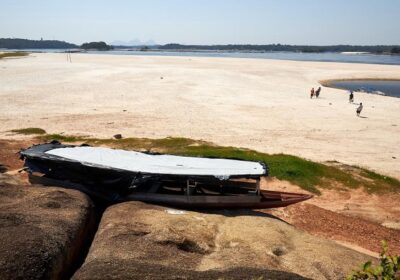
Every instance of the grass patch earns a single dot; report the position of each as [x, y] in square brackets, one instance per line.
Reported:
[29, 131]
[13, 54]
[376, 183]
[304, 173]
[62, 138]
[307, 174]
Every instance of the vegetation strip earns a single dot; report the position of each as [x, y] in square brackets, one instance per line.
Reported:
[13, 54]
[29, 131]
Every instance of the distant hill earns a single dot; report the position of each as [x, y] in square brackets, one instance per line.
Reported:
[100, 46]
[12, 43]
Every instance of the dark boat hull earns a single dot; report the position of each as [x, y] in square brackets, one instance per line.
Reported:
[266, 199]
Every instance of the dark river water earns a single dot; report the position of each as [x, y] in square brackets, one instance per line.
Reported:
[297, 56]
[388, 87]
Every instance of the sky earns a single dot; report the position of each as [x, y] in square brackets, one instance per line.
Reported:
[305, 22]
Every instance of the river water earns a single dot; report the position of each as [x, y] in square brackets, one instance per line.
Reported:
[382, 87]
[323, 57]
[297, 56]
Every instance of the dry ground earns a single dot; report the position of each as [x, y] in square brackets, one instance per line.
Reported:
[254, 103]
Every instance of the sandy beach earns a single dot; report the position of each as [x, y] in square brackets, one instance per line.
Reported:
[254, 103]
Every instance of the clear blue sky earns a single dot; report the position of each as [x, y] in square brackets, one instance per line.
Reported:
[317, 22]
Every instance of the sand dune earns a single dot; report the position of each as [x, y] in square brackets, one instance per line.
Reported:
[254, 103]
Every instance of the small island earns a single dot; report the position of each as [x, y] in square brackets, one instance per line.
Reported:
[99, 46]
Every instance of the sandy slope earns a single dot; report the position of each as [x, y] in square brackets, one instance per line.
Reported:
[260, 104]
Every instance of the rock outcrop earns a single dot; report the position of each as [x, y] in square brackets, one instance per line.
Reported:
[42, 230]
[141, 241]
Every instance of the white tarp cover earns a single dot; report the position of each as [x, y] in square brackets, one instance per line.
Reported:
[159, 164]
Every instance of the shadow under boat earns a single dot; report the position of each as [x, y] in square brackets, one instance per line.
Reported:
[181, 191]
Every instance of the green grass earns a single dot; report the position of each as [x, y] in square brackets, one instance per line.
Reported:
[13, 54]
[29, 131]
[304, 173]
[62, 138]
[376, 182]
[309, 175]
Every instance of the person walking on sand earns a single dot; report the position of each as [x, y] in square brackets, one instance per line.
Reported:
[317, 92]
[312, 93]
[359, 109]
[351, 97]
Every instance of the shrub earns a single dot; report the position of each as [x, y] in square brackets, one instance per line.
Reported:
[29, 131]
[388, 268]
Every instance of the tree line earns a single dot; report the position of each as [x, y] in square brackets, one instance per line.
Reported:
[289, 48]
[12, 43]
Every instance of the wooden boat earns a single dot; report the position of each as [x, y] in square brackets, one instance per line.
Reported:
[184, 182]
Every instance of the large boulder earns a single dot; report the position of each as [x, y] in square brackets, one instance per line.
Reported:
[141, 241]
[42, 230]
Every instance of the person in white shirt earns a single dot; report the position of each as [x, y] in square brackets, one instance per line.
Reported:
[359, 109]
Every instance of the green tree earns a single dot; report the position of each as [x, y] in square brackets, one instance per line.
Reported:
[395, 50]
[100, 46]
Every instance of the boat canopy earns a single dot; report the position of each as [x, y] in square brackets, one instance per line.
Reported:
[158, 164]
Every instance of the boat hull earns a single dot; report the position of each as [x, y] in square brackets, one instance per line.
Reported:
[266, 199]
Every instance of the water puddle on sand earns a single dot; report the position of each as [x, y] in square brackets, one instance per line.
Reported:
[381, 87]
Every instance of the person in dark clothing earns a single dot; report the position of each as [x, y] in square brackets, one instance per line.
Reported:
[312, 93]
[317, 92]
[351, 97]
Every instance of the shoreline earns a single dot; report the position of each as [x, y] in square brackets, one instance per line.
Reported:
[328, 83]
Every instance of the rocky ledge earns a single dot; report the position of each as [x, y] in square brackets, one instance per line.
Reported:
[141, 241]
[43, 230]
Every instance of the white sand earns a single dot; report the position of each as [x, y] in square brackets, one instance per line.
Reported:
[254, 103]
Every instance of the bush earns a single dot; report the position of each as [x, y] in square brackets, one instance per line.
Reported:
[396, 50]
[29, 131]
[388, 268]
[100, 46]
